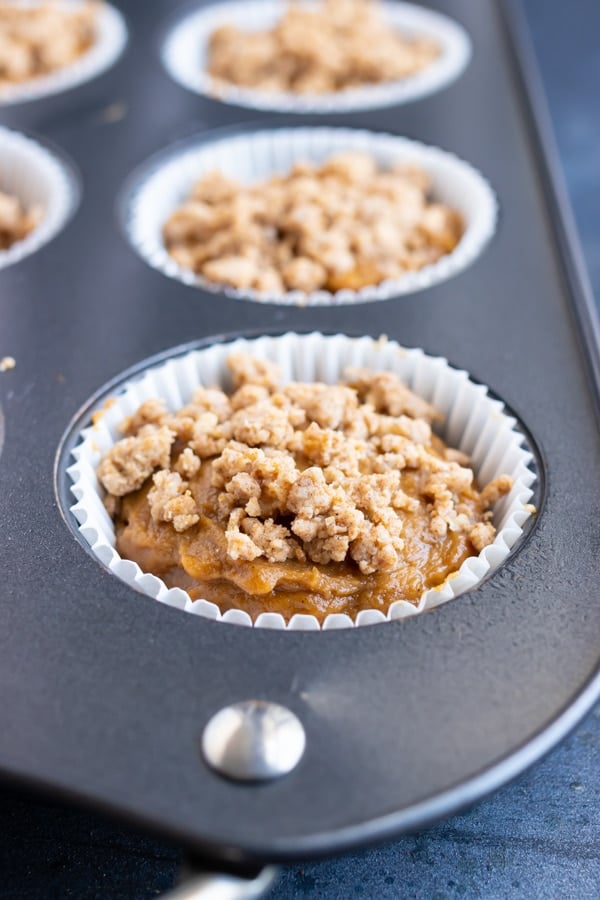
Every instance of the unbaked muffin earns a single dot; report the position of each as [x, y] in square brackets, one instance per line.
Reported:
[302, 498]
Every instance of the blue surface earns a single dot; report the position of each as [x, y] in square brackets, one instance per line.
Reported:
[566, 38]
[538, 838]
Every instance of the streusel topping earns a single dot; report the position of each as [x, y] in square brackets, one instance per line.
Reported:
[344, 224]
[318, 48]
[302, 472]
[15, 221]
[40, 38]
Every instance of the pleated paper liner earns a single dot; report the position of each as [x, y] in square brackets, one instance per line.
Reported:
[475, 423]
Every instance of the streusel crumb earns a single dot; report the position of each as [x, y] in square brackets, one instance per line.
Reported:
[127, 465]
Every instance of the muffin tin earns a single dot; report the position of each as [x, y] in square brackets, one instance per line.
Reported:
[105, 693]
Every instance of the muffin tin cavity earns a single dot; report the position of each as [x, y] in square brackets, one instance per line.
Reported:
[110, 41]
[165, 181]
[184, 56]
[39, 180]
[474, 422]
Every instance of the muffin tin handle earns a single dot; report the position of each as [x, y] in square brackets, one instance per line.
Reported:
[198, 884]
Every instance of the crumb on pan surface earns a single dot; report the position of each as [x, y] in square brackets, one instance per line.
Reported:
[40, 38]
[16, 222]
[345, 224]
[318, 48]
[296, 498]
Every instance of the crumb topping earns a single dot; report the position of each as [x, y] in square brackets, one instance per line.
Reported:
[132, 460]
[171, 500]
[302, 472]
[318, 48]
[344, 224]
[37, 39]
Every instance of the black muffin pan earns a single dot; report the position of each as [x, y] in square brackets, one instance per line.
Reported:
[105, 693]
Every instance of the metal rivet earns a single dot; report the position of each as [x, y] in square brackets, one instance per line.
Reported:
[254, 741]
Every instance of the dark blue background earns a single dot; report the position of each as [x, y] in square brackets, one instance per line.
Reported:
[538, 838]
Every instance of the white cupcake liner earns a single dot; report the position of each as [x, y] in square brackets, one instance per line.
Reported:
[166, 181]
[35, 175]
[185, 57]
[475, 423]
[111, 37]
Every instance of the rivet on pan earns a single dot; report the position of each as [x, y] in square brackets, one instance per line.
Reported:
[254, 741]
